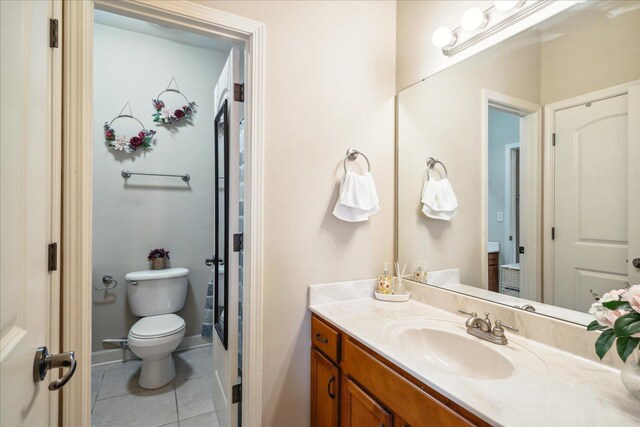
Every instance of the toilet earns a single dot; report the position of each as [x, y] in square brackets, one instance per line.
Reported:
[155, 295]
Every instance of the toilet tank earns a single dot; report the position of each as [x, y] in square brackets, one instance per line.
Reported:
[153, 292]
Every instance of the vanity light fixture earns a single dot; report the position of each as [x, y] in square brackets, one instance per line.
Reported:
[502, 15]
[473, 19]
[443, 37]
[507, 5]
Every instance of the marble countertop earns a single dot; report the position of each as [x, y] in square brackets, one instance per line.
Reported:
[560, 389]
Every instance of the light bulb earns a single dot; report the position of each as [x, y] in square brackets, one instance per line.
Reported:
[443, 37]
[473, 19]
[507, 5]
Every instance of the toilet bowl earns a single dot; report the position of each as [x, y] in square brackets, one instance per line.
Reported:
[154, 339]
[154, 295]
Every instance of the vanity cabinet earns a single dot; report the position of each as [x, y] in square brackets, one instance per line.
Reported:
[494, 271]
[325, 380]
[360, 409]
[373, 391]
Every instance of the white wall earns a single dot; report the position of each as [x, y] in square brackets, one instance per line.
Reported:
[504, 128]
[330, 84]
[130, 218]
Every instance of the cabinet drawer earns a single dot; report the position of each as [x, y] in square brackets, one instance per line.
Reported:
[415, 406]
[326, 339]
[494, 257]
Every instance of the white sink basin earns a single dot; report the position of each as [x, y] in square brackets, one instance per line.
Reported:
[448, 347]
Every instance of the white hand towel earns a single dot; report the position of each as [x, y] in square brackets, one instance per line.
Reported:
[439, 200]
[358, 198]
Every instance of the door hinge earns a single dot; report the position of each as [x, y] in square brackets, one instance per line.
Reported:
[238, 242]
[521, 249]
[236, 393]
[52, 257]
[53, 33]
[553, 139]
[553, 233]
[238, 92]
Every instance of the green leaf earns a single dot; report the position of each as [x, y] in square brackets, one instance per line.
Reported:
[627, 325]
[595, 326]
[604, 342]
[625, 346]
[614, 305]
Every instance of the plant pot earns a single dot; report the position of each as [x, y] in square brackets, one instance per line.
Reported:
[158, 263]
[630, 374]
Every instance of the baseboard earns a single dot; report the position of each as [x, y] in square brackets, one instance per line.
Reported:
[104, 357]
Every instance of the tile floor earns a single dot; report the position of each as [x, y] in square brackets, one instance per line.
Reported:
[118, 400]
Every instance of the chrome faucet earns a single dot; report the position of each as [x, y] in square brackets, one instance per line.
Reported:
[483, 329]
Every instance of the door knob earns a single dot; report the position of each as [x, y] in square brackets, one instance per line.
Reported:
[45, 361]
[636, 262]
[210, 261]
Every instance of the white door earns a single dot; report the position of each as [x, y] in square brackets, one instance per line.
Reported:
[593, 193]
[29, 209]
[225, 342]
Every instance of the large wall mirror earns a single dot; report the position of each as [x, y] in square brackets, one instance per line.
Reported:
[540, 137]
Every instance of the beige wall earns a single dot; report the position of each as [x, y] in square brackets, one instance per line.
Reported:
[330, 84]
[583, 60]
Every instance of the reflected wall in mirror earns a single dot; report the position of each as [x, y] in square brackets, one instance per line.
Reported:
[540, 135]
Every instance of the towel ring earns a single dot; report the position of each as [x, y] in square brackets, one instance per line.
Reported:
[431, 163]
[352, 154]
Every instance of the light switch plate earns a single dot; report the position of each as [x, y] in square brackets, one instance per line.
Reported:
[500, 217]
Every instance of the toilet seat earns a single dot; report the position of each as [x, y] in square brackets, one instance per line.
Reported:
[152, 327]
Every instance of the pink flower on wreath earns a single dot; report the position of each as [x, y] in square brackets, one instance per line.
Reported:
[179, 114]
[632, 296]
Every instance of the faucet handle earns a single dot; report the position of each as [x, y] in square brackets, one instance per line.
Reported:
[472, 314]
[498, 329]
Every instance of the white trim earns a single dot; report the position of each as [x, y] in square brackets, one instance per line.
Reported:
[549, 173]
[530, 275]
[77, 191]
[509, 214]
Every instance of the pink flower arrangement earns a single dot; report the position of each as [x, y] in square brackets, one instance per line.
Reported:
[617, 315]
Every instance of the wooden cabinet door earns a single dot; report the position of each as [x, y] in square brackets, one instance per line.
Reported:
[324, 391]
[361, 410]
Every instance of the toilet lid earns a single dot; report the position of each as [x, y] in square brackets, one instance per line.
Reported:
[157, 326]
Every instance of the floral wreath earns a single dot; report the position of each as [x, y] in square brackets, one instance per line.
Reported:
[165, 114]
[120, 142]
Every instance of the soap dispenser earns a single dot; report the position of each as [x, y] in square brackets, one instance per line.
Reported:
[384, 285]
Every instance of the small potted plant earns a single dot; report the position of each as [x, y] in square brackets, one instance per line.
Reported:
[617, 315]
[158, 258]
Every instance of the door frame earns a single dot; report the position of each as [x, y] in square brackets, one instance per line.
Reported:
[77, 125]
[530, 125]
[549, 171]
[509, 209]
